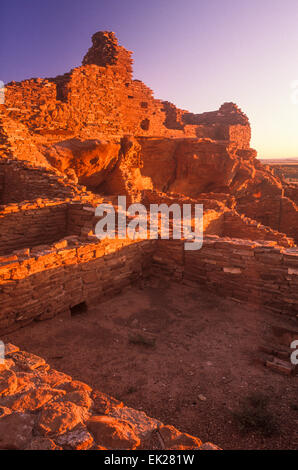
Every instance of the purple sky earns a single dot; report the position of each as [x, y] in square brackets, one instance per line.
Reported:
[195, 53]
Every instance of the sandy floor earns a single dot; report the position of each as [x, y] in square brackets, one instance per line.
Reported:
[206, 347]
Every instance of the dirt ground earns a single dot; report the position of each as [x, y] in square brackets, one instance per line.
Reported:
[204, 362]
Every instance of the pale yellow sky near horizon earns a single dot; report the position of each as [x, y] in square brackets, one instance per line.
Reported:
[275, 130]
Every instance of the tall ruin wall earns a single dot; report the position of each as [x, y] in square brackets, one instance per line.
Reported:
[101, 99]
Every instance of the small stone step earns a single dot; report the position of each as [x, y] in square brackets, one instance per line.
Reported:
[280, 366]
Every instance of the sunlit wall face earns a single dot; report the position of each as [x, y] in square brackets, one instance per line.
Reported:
[195, 53]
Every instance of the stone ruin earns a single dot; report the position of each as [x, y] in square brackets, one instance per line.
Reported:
[74, 141]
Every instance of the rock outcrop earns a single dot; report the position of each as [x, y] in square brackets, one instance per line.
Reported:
[43, 409]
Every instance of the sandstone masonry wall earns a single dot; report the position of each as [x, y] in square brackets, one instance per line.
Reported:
[278, 212]
[219, 219]
[101, 99]
[291, 191]
[263, 274]
[47, 280]
[240, 226]
[27, 225]
[20, 181]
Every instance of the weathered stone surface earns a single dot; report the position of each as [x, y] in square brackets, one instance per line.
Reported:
[103, 404]
[91, 160]
[209, 446]
[43, 443]
[75, 386]
[26, 381]
[80, 398]
[10, 349]
[4, 411]
[53, 378]
[112, 433]
[16, 431]
[27, 361]
[59, 417]
[79, 439]
[8, 382]
[37, 416]
[142, 424]
[173, 439]
[34, 399]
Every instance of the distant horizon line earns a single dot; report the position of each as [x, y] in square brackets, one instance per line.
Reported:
[278, 158]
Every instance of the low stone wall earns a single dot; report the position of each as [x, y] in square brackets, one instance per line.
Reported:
[263, 274]
[289, 218]
[79, 215]
[278, 212]
[291, 191]
[236, 225]
[219, 219]
[44, 221]
[213, 211]
[43, 409]
[42, 281]
[47, 280]
[21, 181]
[265, 210]
[29, 224]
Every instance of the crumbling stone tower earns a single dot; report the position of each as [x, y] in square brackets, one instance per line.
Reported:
[106, 51]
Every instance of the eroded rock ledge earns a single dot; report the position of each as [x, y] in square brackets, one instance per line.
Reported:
[43, 409]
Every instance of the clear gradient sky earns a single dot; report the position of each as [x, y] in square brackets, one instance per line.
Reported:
[195, 53]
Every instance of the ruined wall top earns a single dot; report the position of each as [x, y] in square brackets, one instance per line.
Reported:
[105, 51]
[100, 100]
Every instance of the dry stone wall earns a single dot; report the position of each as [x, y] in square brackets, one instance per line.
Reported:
[218, 218]
[46, 280]
[291, 191]
[263, 274]
[278, 212]
[240, 226]
[21, 181]
[29, 224]
[101, 99]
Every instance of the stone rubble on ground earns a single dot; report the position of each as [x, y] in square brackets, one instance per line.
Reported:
[43, 409]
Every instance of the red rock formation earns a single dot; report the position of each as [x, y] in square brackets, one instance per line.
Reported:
[43, 409]
[91, 160]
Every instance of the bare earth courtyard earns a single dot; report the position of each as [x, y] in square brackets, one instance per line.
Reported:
[181, 354]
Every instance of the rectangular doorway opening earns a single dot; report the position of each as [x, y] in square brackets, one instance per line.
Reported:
[78, 309]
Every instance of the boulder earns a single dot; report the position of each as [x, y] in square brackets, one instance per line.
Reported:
[113, 433]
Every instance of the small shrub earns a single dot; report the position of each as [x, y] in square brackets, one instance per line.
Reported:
[138, 338]
[131, 390]
[253, 415]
